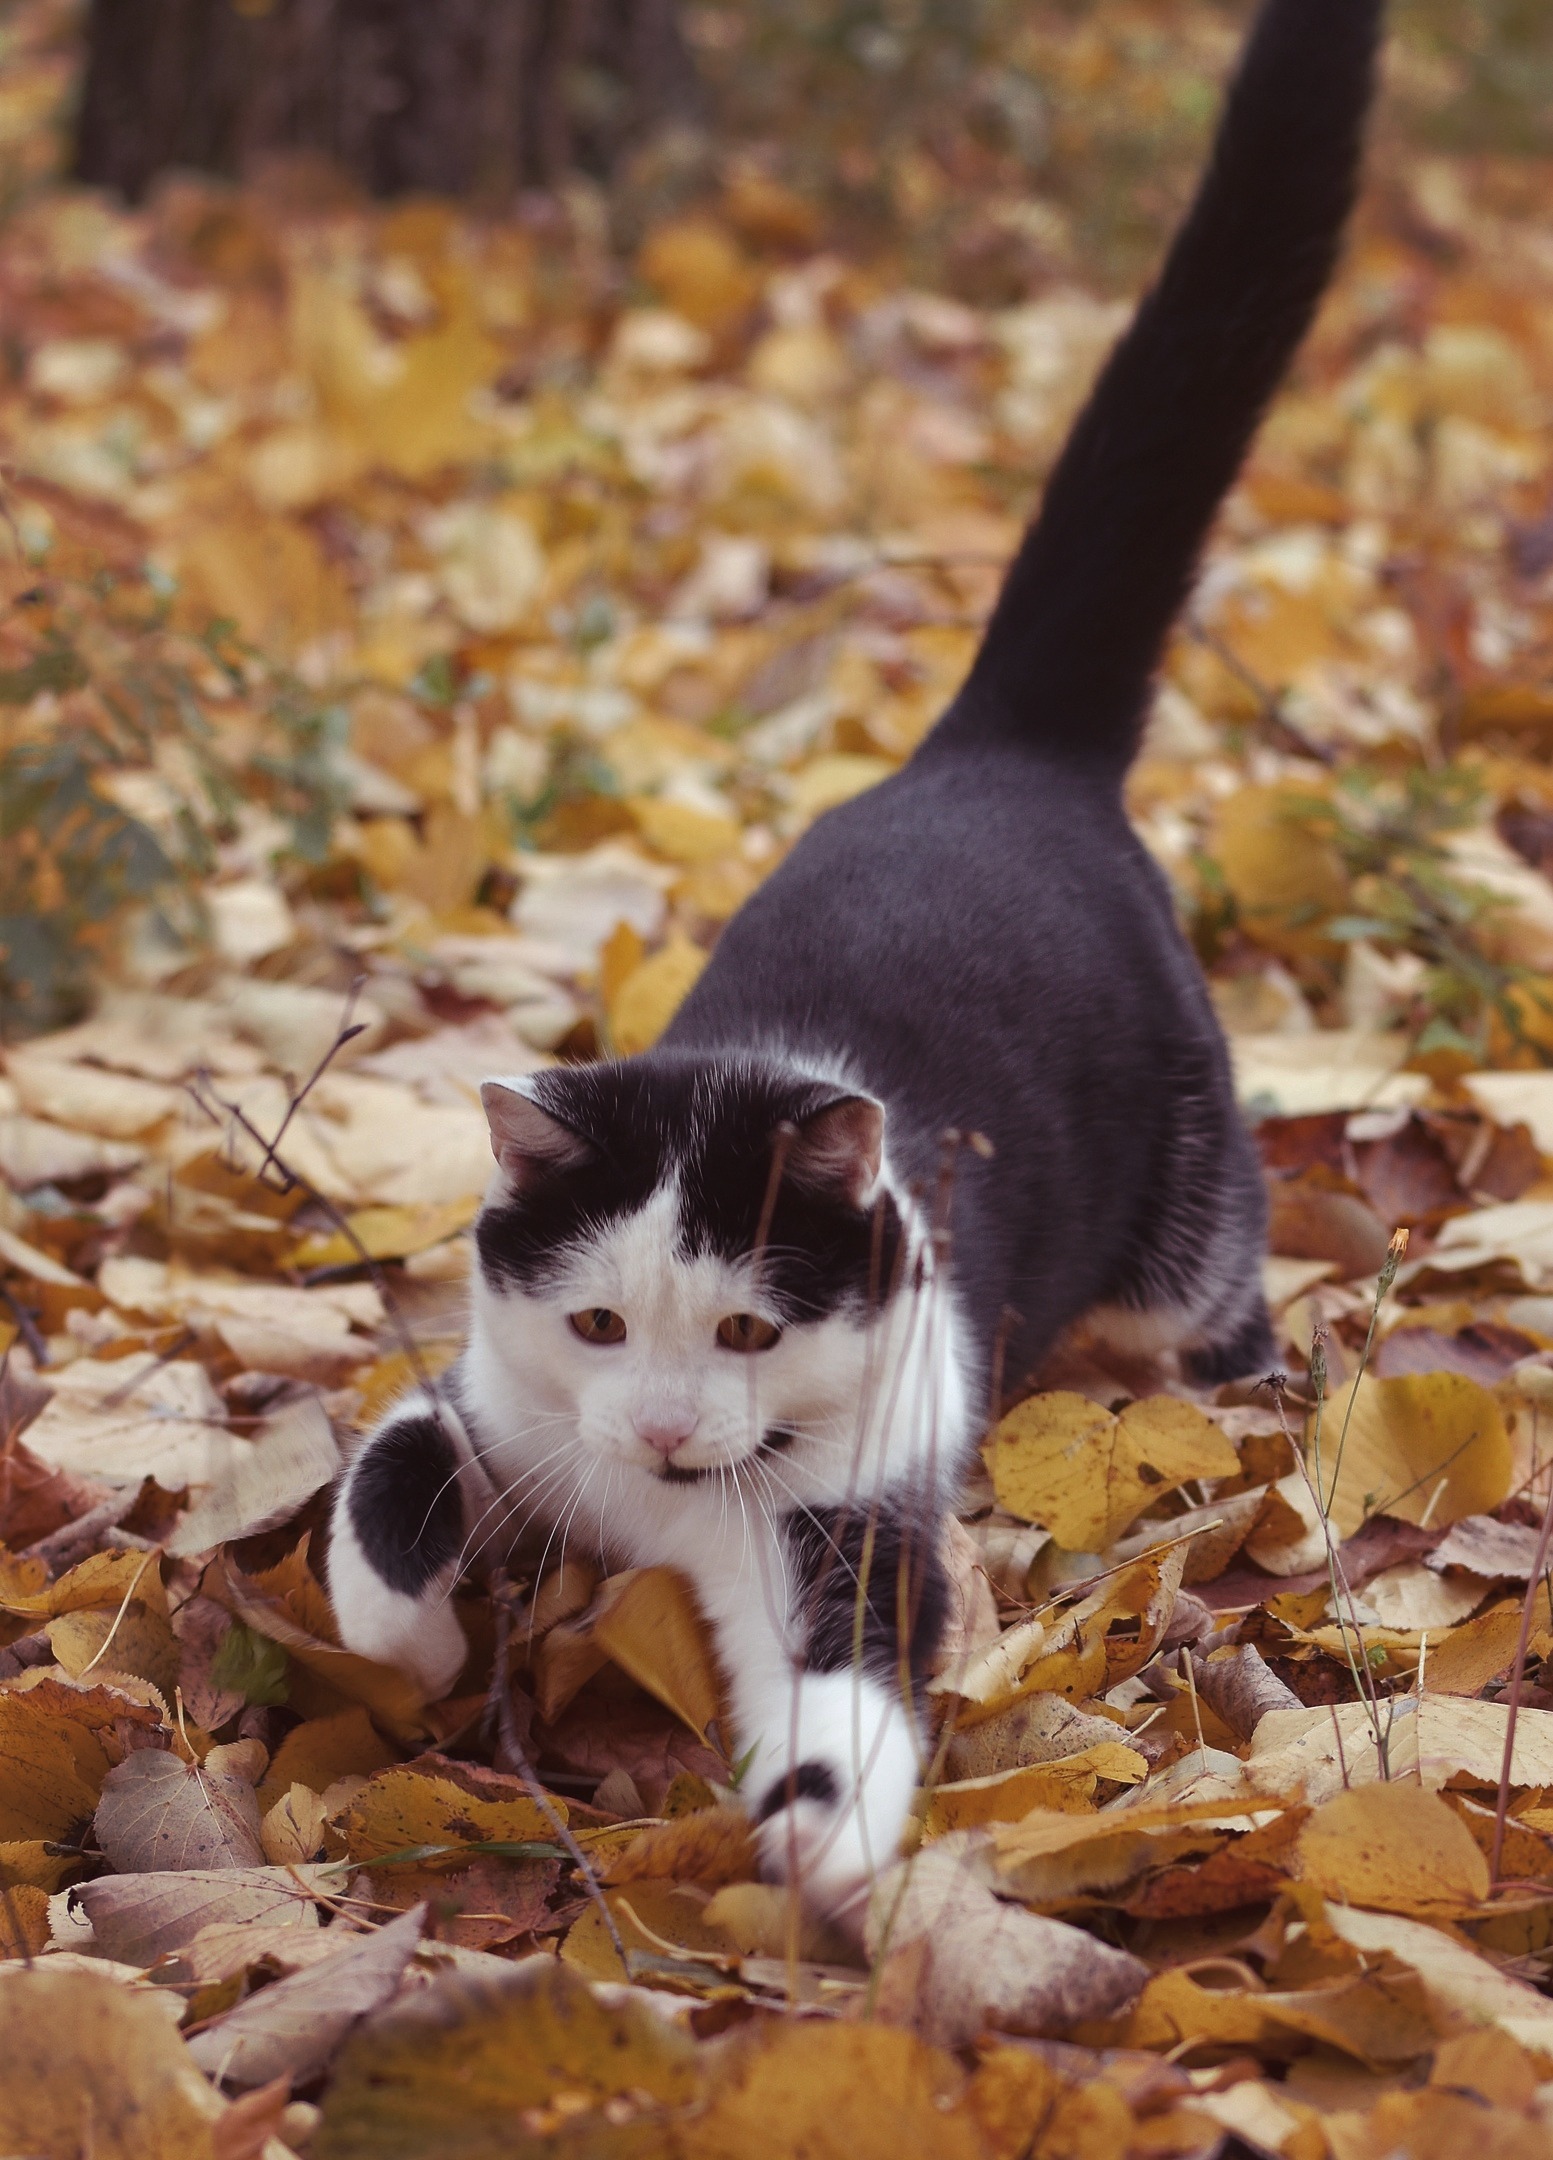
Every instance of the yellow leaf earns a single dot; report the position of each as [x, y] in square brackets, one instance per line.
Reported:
[836, 778]
[386, 1233]
[711, 1846]
[1394, 1847]
[681, 832]
[58, 1742]
[405, 1807]
[1066, 1786]
[322, 1749]
[652, 994]
[1104, 1639]
[1428, 1444]
[862, 2091]
[649, 1623]
[1285, 879]
[1063, 1462]
[92, 2066]
[700, 272]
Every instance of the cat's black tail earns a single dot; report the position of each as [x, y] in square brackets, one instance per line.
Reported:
[1088, 603]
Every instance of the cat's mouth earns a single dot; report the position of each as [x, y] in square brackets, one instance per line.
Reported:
[772, 1441]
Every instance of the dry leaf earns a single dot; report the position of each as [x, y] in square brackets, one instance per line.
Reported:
[157, 1812]
[90, 2065]
[140, 1918]
[1395, 1847]
[1062, 1462]
[290, 1457]
[958, 1960]
[451, 1805]
[294, 2027]
[1430, 1445]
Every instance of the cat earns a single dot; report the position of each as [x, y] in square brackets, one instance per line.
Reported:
[950, 1080]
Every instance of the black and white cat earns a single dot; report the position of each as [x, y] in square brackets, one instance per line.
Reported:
[951, 1080]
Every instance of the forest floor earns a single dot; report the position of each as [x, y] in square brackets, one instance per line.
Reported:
[421, 631]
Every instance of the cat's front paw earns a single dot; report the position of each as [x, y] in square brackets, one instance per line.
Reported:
[833, 1820]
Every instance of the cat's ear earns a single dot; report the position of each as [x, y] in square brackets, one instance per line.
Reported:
[837, 1150]
[525, 1139]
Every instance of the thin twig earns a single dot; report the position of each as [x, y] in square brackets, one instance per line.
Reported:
[509, 1745]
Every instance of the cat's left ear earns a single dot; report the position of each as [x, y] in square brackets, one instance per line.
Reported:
[838, 1150]
[525, 1139]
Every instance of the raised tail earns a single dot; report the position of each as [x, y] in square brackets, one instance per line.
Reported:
[1085, 610]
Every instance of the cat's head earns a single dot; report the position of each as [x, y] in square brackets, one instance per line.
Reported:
[683, 1254]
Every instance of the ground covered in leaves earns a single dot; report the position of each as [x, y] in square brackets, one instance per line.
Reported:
[421, 632]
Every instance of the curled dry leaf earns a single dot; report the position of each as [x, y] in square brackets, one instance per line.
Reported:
[158, 1812]
[711, 1846]
[958, 1960]
[292, 2028]
[1237, 1685]
[58, 1743]
[1031, 1729]
[648, 1622]
[1063, 1462]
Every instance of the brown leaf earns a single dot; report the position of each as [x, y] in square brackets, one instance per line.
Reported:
[139, 1918]
[157, 1812]
[294, 2027]
[958, 1960]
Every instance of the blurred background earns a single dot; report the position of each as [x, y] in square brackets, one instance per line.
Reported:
[480, 480]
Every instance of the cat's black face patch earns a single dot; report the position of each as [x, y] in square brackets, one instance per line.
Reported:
[710, 1125]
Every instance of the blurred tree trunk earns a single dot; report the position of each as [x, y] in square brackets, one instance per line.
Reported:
[455, 97]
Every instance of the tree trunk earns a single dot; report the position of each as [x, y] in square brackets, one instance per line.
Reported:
[454, 97]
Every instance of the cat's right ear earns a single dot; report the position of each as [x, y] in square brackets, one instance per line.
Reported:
[525, 1139]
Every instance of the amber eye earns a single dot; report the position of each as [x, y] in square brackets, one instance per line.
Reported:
[599, 1325]
[747, 1331]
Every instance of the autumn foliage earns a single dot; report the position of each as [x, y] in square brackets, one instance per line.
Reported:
[422, 629]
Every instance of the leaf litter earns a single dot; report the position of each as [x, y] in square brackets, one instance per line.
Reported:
[427, 715]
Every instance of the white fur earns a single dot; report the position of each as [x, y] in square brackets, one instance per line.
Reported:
[876, 1405]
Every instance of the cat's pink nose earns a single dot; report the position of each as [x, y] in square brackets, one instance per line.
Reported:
[664, 1434]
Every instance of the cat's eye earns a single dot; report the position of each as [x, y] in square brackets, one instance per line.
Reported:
[747, 1331]
[598, 1325]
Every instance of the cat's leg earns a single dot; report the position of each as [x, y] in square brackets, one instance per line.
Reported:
[827, 1704]
[396, 1537]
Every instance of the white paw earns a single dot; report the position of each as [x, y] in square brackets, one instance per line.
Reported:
[831, 1824]
[419, 1635]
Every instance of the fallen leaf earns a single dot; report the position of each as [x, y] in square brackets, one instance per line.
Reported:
[647, 1621]
[290, 1457]
[489, 2057]
[135, 1417]
[1463, 1988]
[140, 1918]
[1063, 1462]
[293, 2028]
[1321, 1750]
[403, 1809]
[90, 2065]
[1394, 1847]
[1431, 1445]
[157, 1812]
[957, 1960]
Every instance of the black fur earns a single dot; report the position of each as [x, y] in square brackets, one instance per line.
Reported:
[805, 1781]
[983, 937]
[652, 1116]
[405, 1504]
[866, 1578]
